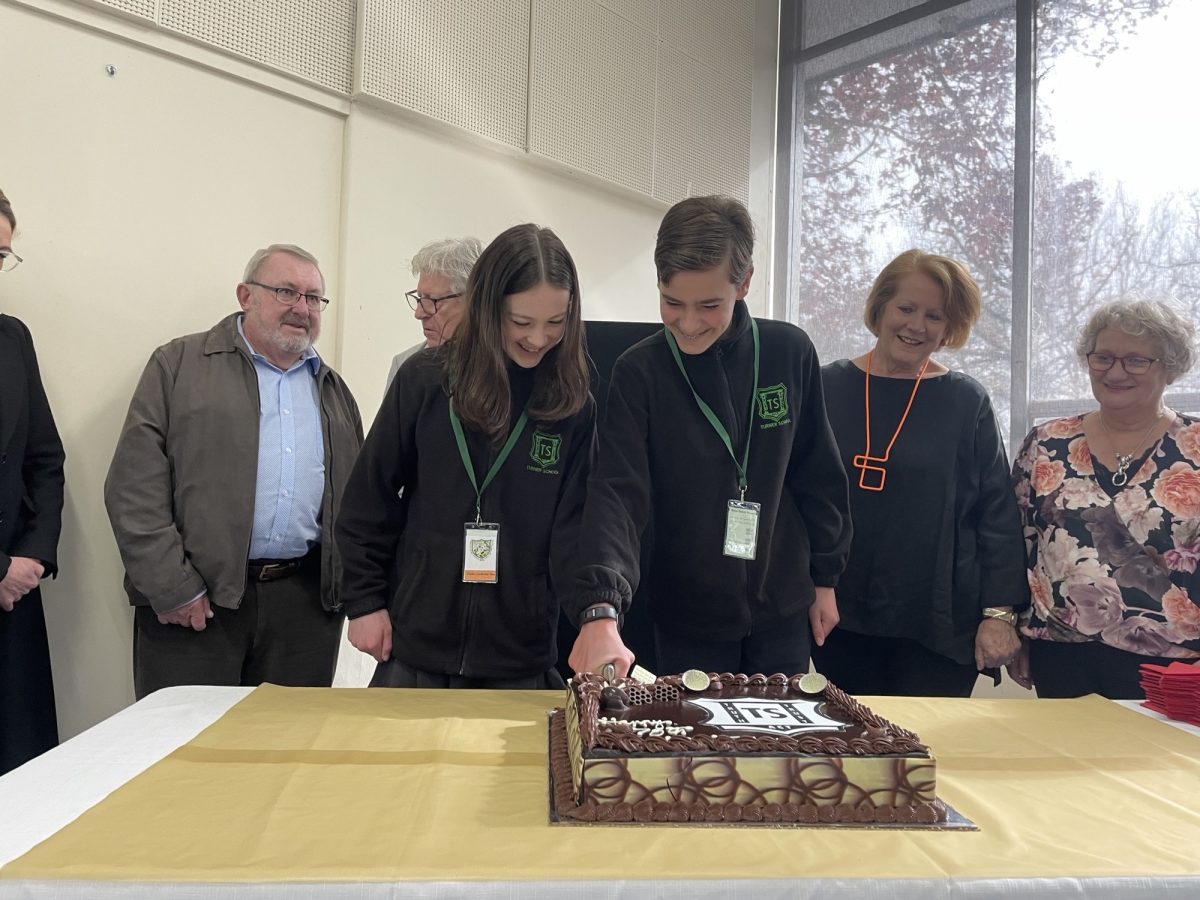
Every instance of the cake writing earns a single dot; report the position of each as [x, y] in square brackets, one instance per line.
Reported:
[771, 716]
[648, 727]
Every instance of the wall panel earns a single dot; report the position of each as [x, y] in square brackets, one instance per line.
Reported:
[460, 62]
[591, 92]
[702, 132]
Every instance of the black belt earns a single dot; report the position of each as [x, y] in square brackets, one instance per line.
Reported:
[275, 569]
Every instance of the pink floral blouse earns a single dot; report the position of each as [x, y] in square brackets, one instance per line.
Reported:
[1121, 570]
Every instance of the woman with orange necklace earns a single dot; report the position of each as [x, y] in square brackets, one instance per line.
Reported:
[936, 566]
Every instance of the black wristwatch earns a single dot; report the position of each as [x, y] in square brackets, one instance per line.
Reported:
[604, 611]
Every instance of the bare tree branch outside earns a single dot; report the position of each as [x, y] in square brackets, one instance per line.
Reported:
[908, 142]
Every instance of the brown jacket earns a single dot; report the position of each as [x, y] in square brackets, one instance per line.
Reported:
[180, 490]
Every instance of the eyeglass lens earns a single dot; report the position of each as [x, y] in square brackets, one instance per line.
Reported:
[1134, 365]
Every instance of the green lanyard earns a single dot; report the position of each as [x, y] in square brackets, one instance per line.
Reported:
[712, 416]
[466, 456]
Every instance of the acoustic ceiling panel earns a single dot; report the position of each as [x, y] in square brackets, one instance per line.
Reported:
[313, 39]
[462, 62]
[702, 134]
[643, 13]
[591, 92]
[719, 33]
[143, 9]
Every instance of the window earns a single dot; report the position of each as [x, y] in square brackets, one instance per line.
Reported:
[906, 132]
[1116, 188]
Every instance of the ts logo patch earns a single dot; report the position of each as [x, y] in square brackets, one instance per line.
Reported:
[481, 548]
[772, 403]
[544, 450]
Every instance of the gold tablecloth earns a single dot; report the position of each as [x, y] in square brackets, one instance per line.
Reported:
[394, 785]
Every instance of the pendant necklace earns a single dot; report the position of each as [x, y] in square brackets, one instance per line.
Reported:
[1120, 476]
[864, 461]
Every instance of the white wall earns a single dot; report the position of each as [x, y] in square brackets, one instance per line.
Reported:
[140, 197]
[407, 184]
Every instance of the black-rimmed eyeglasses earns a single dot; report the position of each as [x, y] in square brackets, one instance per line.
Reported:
[428, 304]
[289, 297]
[9, 260]
[1134, 365]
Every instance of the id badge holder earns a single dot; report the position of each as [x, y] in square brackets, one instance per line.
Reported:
[481, 552]
[741, 528]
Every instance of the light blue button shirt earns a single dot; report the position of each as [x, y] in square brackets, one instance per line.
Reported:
[291, 458]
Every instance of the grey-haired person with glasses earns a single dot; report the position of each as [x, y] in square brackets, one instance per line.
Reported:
[441, 268]
[1111, 506]
[221, 491]
[31, 501]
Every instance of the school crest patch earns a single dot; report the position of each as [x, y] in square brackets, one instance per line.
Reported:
[772, 402]
[545, 449]
[481, 548]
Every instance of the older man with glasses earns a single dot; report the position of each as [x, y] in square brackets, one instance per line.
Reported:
[442, 269]
[221, 492]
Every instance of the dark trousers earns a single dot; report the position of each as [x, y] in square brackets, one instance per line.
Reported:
[780, 647]
[1063, 670]
[867, 665]
[395, 674]
[27, 721]
[280, 634]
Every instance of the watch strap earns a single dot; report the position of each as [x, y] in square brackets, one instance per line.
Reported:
[604, 611]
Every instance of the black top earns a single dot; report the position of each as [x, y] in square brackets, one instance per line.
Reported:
[943, 539]
[31, 455]
[662, 465]
[405, 553]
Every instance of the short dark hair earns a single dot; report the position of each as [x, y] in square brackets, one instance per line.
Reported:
[6, 210]
[518, 260]
[702, 233]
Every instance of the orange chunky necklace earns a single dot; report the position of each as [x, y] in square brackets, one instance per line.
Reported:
[864, 461]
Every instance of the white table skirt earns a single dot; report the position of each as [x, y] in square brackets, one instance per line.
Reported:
[47, 793]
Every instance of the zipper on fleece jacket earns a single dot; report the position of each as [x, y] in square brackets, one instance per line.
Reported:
[736, 439]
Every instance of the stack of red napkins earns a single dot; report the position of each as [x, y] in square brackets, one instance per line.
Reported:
[1173, 690]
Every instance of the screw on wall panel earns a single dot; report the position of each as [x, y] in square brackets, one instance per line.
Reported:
[110, 69]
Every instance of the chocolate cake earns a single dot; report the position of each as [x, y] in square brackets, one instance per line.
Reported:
[744, 748]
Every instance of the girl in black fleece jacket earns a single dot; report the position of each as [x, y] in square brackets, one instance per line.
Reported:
[433, 591]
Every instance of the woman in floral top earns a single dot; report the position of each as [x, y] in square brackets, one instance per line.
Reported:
[1110, 502]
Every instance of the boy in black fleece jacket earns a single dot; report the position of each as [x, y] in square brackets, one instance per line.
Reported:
[746, 500]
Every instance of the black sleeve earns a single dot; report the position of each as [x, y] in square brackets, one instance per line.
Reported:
[1003, 581]
[618, 500]
[568, 516]
[41, 472]
[372, 513]
[816, 478]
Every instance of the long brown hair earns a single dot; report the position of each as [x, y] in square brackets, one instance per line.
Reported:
[518, 260]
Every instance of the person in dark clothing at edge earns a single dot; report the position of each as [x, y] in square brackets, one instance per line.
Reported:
[460, 519]
[715, 435]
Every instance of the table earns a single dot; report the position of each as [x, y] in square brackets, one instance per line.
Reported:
[1031, 803]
